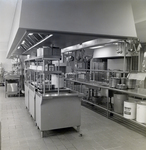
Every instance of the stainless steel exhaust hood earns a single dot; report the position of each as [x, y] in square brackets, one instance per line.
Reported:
[70, 23]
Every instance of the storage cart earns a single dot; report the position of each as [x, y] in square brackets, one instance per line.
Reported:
[1, 75]
[12, 84]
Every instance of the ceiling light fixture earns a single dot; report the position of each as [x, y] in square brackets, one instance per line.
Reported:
[95, 47]
[23, 42]
[50, 35]
[18, 47]
[38, 43]
[115, 43]
[30, 34]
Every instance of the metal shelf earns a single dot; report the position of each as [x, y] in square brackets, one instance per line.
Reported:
[93, 70]
[35, 72]
[107, 111]
[94, 104]
[131, 124]
[134, 121]
[43, 58]
[74, 91]
[46, 72]
[92, 84]
[61, 64]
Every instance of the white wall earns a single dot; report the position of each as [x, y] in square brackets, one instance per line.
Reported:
[115, 64]
[6, 62]
[109, 51]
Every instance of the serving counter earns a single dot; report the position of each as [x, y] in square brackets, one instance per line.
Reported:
[53, 110]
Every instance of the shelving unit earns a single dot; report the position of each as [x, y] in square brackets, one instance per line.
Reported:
[16, 67]
[51, 108]
[128, 123]
[107, 108]
[43, 71]
[33, 85]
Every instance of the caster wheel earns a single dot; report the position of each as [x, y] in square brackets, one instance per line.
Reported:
[42, 134]
[111, 114]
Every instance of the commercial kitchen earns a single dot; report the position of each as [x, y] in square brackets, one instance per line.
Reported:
[78, 78]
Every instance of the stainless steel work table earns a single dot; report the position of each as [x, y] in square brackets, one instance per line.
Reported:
[137, 93]
[54, 111]
[133, 92]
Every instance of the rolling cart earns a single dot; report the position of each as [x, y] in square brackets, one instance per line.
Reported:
[12, 85]
[1, 75]
[1, 80]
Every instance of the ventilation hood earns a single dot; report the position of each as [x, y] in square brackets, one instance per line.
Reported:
[66, 23]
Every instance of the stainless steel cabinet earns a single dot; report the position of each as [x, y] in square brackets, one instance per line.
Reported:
[32, 101]
[26, 95]
[58, 111]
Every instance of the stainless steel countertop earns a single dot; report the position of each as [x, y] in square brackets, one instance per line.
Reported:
[66, 92]
[134, 92]
[56, 95]
[12, 77]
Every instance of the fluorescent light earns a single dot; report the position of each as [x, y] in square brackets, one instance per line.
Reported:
[96, 47]
[72, 48]
[49, 36]
[90, 43]
[40, 42]
[115, 43]
[30, 34]
[23, 42]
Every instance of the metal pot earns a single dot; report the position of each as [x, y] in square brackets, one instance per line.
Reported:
[123, 80]
[121, 86]
[114, 81]
[131, 83]
[119, 102]
[107, 76]
[51, 67]
[118, 75]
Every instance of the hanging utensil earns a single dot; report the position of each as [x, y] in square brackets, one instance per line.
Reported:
[87, 58]
[119, 48]
[70, 58]
[82, 55]
[139, 47]
[134, 48]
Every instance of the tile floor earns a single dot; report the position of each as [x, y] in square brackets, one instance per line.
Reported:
[19, 132]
